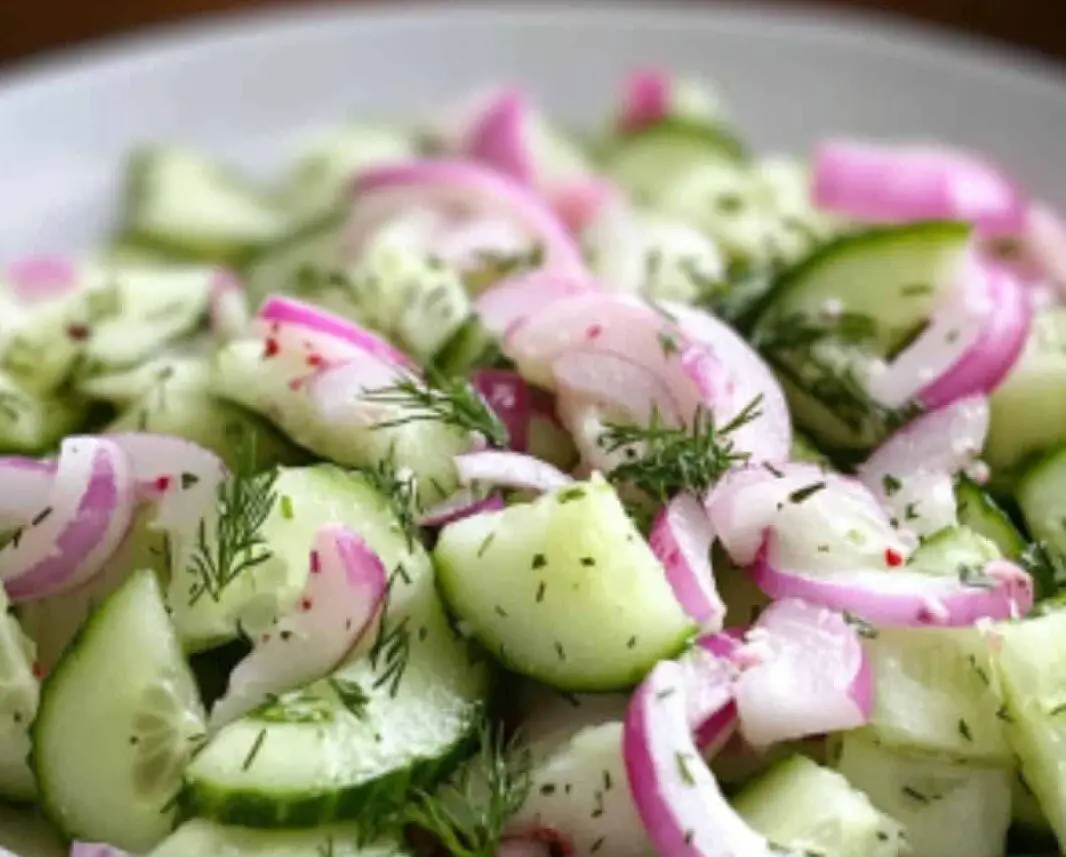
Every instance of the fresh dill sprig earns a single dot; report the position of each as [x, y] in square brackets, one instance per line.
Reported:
[399, 487]
[391, 649]
[792, 346]
[664, 460]
[452, 401]
[243, 503]
[350, 694]
[468, 813]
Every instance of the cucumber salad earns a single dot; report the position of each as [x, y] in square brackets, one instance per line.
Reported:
[475, 489]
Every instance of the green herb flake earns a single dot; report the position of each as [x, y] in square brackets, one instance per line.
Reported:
[890, 484]
[806, 492]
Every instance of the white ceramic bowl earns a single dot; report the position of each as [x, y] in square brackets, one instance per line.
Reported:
[245, 87]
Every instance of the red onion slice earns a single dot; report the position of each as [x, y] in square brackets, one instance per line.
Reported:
[799, 517]
[288, 311]
[89, 510]
[808, 675]
[681, 538]
[93, 849]
[510, 398]
[997, 348]
[464, 503]
[465, 190]
[38, 278]
[900, 183]
[27, 483]
[506, 304]
[904, 598]
[710, 676]
[645, 99]
[769, 438]
[679, 801]
[912, 472]
[509, 470]
[345, 589]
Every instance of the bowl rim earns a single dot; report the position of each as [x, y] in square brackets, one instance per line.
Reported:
[897, 38]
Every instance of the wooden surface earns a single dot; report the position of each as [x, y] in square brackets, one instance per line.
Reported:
[31, 26]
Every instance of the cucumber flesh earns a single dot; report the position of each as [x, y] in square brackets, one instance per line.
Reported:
[945, 807]
[1030, 664]
[805, 808]
[950, 551]
[1040, 496]
[933, 694]
[978, 511]
[892, 275]
[145, 721]
[1028, 409]
[19, 697]
[563, 589]
[202, 838]
[33, 424]
[424, 448]
[190, 206]
[353, 746]
[654, 158]
[307, 497]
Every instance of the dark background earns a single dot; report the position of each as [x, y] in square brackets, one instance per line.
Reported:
[30, 26]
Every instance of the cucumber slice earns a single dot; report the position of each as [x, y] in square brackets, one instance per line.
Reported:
[202, 838]
[178, 401]
[118, 721]
[1031, 667]
[189, 206]
[1040, 497]
[469, 347]
[805, 808]
[353, 746]
[933, 694]
[656, 157]
[1028, 410]
[32, 424]
[424, 448]
[563, 589]
[945, 807]
[953, 551]
[306, 498]
[892, 275]
[978, 511]
[19, 696]
[582, 789]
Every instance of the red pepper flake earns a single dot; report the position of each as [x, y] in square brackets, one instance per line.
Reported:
[594, 331]
[893, 558]
[315, 360]
[295, 384]
[38, 670]
[305, 604]
[78, 332]
[162, 483]
[270, 347]
[316, 563]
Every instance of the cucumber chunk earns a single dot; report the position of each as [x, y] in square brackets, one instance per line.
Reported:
[653, 158]
[563, 589]
[19, 696]
[1028, 410]
[118, 721]
[979, 511]
[1031, 668]
[190, 206]
[945, 807]
[805, 808]
[425, 448]
[397, 717]
[202, 838]
[933, 694]
[1043, 504]
[307, 497]
[953, 551]
[33, 424]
